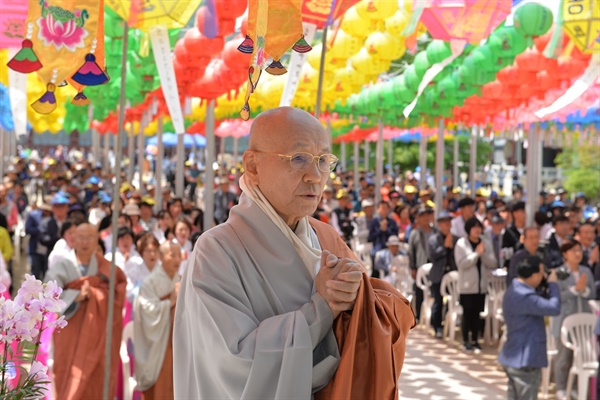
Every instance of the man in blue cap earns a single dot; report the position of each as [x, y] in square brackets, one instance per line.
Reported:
[50, 226]
[93, 187]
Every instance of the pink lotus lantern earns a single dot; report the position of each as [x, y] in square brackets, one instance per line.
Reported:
[470, 20]
[12, 23]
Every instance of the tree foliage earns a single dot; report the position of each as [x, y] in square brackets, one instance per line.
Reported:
[581, 167]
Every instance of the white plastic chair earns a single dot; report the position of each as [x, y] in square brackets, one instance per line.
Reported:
[493, 304]
[551, 352]
[363, 252]
[577, 334]
[424, 284]
[129, 382]
[449, 290]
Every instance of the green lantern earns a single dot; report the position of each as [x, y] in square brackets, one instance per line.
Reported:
[411, 78]
[438, 51]
[533, 19]
[402, 92]
[421, 64]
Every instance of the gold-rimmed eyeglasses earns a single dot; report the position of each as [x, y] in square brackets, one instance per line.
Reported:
[302, 161]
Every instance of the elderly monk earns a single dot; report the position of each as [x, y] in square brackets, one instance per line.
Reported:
[154, 310]
[257, 303]
[79, 348]
[258, 300]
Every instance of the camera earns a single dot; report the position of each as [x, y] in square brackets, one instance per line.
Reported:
[562, 273]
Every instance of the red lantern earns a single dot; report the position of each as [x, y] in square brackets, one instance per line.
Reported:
[182, 55]
[226, 26]
[545, 81]
[530, 60]
[230, 8]
[244, 26]
[493, 90]
[570, 67]
[234, 58]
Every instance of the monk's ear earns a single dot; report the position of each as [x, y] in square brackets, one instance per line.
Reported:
[249, 163]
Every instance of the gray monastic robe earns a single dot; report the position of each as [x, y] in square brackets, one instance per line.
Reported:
[152, 325]
[248, 323]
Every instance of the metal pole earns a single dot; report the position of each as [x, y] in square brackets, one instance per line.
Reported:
[209, 173]
[366, 150]
[321, 72]
[439, 168]
[379, 163]
[390, 157]
[106, 151]
[455, 172]
[159, 166]
[236, 153]
[530, 204]
[179, 161]
[221, 151]
[115, 221]
[423, 162]
[2, 152]
[130, 152]
[141, 150]
[473, 160]
[343, 155]
[356, 161]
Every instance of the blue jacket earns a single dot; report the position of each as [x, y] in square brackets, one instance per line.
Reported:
[524, 312]
[32, 228]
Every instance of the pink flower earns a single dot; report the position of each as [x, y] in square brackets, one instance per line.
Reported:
[30, 289]
[52, 290]
[59, 323]
[77, 13]
[39, 373]
[2, 288]
[60, 34]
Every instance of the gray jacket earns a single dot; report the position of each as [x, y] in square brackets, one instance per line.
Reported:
[466, 262]
[572, 303]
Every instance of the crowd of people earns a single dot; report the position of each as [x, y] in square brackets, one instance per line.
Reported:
[63, 207]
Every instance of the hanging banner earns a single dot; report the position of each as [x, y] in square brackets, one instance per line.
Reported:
[12, 23]
[577, 89]
[457, 47]
[17, 92]
[322, 12]
[297, 60]
[159, 36]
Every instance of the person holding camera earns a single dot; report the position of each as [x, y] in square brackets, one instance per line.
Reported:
[524, 354]
[575, 291]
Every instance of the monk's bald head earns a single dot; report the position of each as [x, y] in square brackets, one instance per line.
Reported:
[280, 127]
[86, 239]
[86, 229]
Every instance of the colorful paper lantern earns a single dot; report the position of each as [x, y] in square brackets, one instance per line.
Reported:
[470, 20]
[533, 19]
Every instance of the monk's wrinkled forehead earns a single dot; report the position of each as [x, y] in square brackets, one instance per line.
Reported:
[285, 128]
[86, 229]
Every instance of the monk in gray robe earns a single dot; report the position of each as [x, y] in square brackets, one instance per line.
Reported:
[78, 370]
[257, 302]
[154, 310]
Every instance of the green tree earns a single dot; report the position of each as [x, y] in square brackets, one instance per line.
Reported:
[581, 166]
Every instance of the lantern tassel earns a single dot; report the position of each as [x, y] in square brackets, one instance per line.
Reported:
[245, 113]
[80, 99]
[276, 68]
[247, 46]
[302, 46]
[25, 61]
[90, 73]
[47, 103]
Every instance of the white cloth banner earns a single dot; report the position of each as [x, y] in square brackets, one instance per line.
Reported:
[457, 47]
[577, 89]
[161, 47]
[17, 92]
[295, 68]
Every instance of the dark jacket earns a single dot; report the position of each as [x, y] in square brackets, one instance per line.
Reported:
[223, 203]
[379, 237]
[49, 233]
[441, 257]
[511, 240]
[32, 228]
[552, 256]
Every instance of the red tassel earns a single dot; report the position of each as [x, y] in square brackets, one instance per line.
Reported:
[25, 61]
[247, 46]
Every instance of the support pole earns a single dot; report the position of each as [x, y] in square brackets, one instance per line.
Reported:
[439, 168]
[106, 152]
[158, 166]
[356, 161]
[390, 157]
[343, 155]
[530, 184]
[179, 161]
[130, 152]
[473, 159]
[423, 162]
[367, 155]
[455, 170]
[115, 220]
[141, 150]
[321, 72]
[2, 152]
[236, 153]
[379, 163]
[209, 173]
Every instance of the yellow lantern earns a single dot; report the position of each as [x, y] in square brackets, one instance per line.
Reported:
[396, 23]
[331, 62]
[582, 23]
[354, 25]
[364, 63]
[345, 45]
[379, 45]
[376, 9]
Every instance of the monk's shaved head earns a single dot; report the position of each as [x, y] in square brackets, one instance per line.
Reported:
[277, 126]
[168, 246]
[86, 229]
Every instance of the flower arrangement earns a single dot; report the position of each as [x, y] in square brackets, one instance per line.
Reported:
[22, 322]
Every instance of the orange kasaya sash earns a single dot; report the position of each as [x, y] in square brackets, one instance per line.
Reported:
[79, 348]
